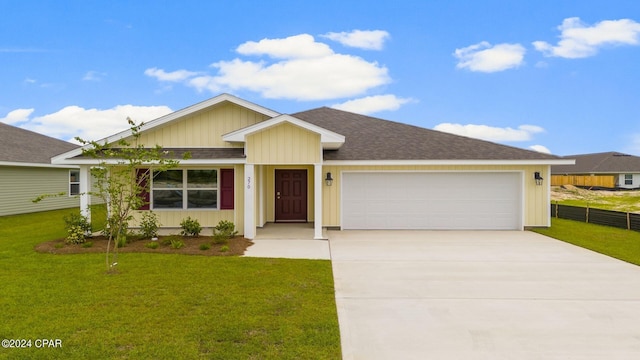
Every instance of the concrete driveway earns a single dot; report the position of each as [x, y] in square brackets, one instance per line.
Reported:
[481, 295]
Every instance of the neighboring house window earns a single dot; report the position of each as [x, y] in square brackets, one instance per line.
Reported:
[628, 179]
[74, 182]
[185, 189]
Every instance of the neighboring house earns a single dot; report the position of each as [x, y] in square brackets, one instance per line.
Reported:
[608, 169]
[252, 166]
[26, 172]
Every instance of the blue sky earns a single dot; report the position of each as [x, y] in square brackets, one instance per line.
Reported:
[558, 76]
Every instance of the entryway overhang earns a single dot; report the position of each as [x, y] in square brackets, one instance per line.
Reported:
[329, 139]
[285, 142]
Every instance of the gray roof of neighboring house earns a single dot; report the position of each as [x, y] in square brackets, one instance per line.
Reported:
[606, 162]
[369, 138]
[20, 145]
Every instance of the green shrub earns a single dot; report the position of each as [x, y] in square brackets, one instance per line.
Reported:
[205, 246]
[78, 227]
[219, 238]
[152, 245]
[176, 244]
[224, 231]
[149, 225]
[226, 227]
[75, 235]
[190, 227]
[88, 244]
[78, 220]
[224, 248]
[121, 241]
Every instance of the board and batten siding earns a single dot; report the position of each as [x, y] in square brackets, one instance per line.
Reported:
[283, 144]
[204, 128]
[536, 197]
[20, 184]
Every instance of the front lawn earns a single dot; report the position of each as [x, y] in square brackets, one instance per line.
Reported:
[618, 243]
[160, 306]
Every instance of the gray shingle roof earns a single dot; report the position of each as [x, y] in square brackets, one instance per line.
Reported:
[606, 162]
[369, 138]
[20, 145]
[198, 153]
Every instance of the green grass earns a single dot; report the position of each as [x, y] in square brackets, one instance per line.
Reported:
[160, 306]
[618, 243]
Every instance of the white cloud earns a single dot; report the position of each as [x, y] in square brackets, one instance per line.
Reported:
[483, 57]
[297, 67]
[540, 148]
[89, 124]
[174, 76]
[93, 76]
[491, 133]
[17, 116]
[363, 39]
[372, 104]
[577, 40]
[292, 47]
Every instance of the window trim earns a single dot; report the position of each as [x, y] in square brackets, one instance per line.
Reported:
[629, 180]
[185, 191]
[71, 194]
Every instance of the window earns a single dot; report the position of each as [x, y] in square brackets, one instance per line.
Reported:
[628, 179]
[185, 189]
[74, 182]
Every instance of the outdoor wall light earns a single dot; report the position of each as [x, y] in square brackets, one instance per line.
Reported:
[328, 180]
[538, 178]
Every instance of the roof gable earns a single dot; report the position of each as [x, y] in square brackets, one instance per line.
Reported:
[24, 146]
[176, 115]
[369, 138]
[328, 138]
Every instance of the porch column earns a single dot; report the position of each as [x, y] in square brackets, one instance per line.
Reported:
[249, 202]
[85, 187]
[317, 194]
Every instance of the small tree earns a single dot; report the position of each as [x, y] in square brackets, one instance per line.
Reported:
[119, 184]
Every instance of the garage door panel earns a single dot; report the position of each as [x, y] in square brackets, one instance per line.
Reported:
[439, 201]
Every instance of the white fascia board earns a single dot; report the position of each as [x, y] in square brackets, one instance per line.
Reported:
[170, 117]
[449, 162]
[38, 165]
[328, 138]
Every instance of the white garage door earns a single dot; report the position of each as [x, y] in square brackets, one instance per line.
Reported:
[438, 201]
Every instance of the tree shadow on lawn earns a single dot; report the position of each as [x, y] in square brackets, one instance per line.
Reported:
[191, 246]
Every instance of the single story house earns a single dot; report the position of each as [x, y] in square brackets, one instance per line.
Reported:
[252, 165]
[607, 169]
[26, 172]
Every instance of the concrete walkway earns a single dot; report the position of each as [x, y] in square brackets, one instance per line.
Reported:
[291, 241]
[481, 295]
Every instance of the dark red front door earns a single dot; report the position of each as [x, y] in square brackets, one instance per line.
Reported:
[291, 195]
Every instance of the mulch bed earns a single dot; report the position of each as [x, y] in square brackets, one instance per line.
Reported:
[236, 246]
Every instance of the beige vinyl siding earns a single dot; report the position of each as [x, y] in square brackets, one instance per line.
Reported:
[204, 128]
[19, 185]
[173, 218]
[283, 144]
[536, 198]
